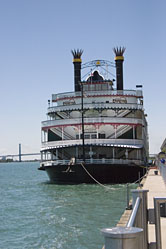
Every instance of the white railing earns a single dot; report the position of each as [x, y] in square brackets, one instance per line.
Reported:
[137, 93]
[95, 106]
[93, 161]
[126, 143]
[76, 121]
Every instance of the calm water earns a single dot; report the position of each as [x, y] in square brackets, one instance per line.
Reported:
[37, 215]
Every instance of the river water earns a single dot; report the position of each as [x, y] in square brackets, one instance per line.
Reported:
[37, 215]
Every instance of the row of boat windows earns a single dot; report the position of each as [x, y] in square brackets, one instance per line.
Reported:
[98, 87]
[57, 135]
[91, 136]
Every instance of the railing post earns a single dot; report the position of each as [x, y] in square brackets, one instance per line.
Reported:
[135, 213]
[143, 221]
[162, 169]
[157, 202]
[122, 237]
[127, 186]
[139, 176]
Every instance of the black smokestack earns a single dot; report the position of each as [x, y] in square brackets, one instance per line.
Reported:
[77, 68]
[119, 66]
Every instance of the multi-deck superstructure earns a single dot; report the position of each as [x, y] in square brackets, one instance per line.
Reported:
[96, 133]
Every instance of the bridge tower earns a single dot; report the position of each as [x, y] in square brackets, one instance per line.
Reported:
[19, 152]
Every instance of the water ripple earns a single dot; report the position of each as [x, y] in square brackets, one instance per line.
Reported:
[38, 215]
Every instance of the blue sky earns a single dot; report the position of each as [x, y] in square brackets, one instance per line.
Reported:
[36, 37]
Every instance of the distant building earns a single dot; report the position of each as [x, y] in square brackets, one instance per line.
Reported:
[4, 159]
[163, 146]
[162, 154]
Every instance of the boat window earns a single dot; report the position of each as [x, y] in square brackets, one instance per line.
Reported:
[77, 136]
[101, 135]
[93, 136]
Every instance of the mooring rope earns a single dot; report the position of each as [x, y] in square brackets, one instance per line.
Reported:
[137, 181]
[103, 184]
[94, 178]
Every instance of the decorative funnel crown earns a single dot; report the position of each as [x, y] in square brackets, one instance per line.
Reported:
[77, 55]
[119, 53]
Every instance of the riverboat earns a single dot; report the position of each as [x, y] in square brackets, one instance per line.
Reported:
[98, 132]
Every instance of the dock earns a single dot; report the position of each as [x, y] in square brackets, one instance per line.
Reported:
[143, 225]
[157, 188]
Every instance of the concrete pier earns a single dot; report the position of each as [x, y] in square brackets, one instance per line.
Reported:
[154, 184]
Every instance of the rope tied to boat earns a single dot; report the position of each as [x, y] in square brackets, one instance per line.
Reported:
[137, 181]
[94, 178]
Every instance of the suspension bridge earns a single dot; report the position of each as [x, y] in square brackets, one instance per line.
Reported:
[19, 155]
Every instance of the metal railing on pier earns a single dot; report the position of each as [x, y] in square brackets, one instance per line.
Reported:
[162, 169]
[135, 233]
[139, 217]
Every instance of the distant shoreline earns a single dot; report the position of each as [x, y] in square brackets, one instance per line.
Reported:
[11, 161]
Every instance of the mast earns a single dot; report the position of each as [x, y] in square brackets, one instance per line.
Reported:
[82, 123]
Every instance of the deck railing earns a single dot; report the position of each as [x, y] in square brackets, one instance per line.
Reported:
[96, 105]
[94, 161]
[104, 120]
[125, 143]
[137, 93]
